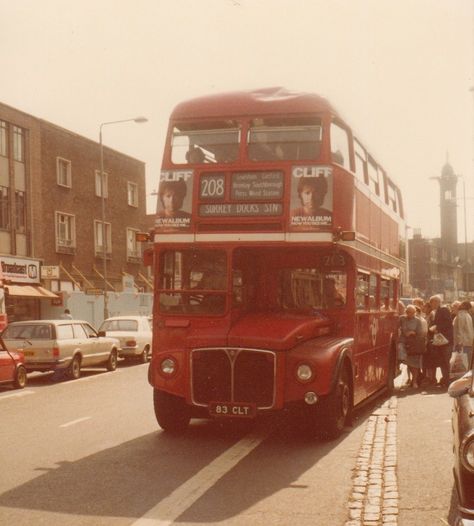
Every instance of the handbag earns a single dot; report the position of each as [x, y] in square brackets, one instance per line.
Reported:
[439, 340]
[415, 345]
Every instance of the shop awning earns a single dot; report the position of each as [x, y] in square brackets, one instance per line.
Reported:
[30, 291]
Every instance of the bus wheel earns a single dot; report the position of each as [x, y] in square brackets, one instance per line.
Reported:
[336, 408]
[391, 373]
[171, 412]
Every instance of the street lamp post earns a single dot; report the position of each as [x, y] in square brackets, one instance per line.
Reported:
[102, 193]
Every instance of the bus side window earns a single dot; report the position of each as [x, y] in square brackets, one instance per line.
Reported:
[362, 291]
[385, 293]
[374, 302]
[340, 145]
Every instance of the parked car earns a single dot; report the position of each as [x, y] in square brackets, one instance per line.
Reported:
[462, 390]
[12, 369]
[134, 334]
[61, 346]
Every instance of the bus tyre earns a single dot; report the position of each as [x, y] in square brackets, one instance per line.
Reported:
[336, 408]
[112, 361]
[391, 372]
[171, 412]
[20, 377]
[74, 370]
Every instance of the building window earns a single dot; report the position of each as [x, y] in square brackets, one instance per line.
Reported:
[3, 139]
[133, 246]
[63, 172]
[65, 232]
[4, 208]
[98, 238]
[18, 144]
[101, 184]
[20, 211]
[132, 193]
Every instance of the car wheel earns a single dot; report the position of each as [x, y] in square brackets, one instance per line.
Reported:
[112, 361]
[336, 409]
[144, 355]
[171, 412]
[74, 371]
[20, 377]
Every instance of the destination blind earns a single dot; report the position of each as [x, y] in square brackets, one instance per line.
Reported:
[245, 189]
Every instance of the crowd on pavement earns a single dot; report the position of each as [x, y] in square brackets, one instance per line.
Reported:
[435, 336]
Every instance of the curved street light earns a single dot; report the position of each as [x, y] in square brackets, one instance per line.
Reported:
[139, 120]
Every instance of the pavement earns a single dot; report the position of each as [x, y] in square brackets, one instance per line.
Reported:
[403, 472]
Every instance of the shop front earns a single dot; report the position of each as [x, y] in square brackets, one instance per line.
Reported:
[23, 293]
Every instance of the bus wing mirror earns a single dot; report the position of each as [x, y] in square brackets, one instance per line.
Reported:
[344, 235]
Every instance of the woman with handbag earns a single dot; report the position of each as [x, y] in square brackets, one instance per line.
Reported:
[411, 342]
[441, 331]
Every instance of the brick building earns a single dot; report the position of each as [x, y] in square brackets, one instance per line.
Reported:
[51, 213]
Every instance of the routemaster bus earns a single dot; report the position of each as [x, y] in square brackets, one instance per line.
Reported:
[278, 252]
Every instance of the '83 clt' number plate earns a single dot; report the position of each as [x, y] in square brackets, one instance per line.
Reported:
[232, 410]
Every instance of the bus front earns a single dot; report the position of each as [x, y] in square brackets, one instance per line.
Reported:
[252, 312]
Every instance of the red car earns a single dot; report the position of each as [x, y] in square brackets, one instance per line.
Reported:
[12, 370]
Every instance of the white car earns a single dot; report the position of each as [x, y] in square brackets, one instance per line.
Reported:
[134, 334]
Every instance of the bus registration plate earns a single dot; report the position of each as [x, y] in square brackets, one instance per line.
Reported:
[232, 409]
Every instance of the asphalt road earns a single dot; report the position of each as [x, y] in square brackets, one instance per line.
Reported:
[89, 452]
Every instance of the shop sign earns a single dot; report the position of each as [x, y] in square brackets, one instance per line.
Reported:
[50, 272]
[59, 301]
[20, 270]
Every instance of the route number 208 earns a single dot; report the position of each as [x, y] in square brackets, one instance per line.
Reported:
[212, 187]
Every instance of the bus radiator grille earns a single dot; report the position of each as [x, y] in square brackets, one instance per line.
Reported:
[252, 371]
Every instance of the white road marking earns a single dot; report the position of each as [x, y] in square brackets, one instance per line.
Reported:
[182, 498]
[73, 422]
[18, 394]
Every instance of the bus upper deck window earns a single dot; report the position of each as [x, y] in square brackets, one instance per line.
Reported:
[340, 145]
[280, 139]
[209, 143]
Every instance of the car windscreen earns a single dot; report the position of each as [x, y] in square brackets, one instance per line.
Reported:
[27, 332]
[119, 325]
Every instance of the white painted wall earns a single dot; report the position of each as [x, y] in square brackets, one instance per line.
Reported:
[91, 308]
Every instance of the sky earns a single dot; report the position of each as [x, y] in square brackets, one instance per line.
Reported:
[399, 73]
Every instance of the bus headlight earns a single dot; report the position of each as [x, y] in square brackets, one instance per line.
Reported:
[467, 453]
[168, 366]
[304, 372]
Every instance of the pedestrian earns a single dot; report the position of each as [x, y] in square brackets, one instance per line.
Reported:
[463, 329]
[442, 324]
[66, 315]
[429, 360]
[411, 338]
[454, 308]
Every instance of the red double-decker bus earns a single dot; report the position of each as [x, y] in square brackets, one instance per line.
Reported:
[278, 253]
